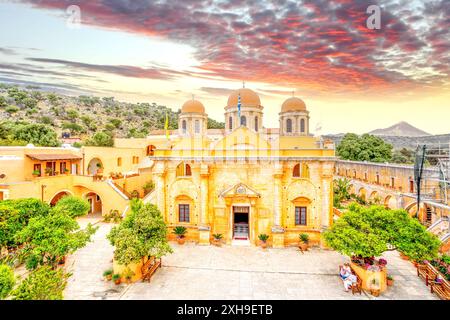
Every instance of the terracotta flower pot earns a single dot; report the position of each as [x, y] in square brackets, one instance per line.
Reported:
[118, 281]
[403, 256]
[109, 277]
[390, 282]
[303, 246]
[62, 261]
[375, 292]
[263, 244]
[217, 242]
[181, 240]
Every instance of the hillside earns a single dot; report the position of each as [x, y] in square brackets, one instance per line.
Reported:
[401, 129]
[400, 142]
[85, 115]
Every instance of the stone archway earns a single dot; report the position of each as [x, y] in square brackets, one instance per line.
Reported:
[95, 203]
[58, 196]
[95, 165]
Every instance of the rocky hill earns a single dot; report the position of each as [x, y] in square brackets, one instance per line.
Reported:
[83, 116]
[400, 142]
[401, 129]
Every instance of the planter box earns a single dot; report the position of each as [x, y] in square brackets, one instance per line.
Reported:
[367, 278]
[135, 267]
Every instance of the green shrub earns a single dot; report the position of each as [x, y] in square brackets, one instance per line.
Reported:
[73, 206]
[11, 109]
[7, 280]
[179, 231]
[263, 237]
[43, 283]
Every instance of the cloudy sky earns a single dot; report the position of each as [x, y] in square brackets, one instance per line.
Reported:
[351, 78]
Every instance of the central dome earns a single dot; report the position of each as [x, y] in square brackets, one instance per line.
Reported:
[249, 98]
[192, 106]
[293, 104]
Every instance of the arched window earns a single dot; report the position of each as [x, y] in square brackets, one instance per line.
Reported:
[184, 126]
[151, 150]
[119, 162]
[302, 125]
[197, 126]
[243, 121]
[230, 123]
[301, 170]
[183, 170]
[256, 123]
[288, 125]
[296, 171]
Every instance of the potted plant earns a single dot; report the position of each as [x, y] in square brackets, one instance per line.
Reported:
[382, 262]
[180, 232]
[389, 280]
[217, 239]
[148, 187]
[107, 274]
[116, 278]
[66, 171]
[99, 168]
[304, 240]
[263, 240]
[36, 173]
[62, 260]
[48, 171]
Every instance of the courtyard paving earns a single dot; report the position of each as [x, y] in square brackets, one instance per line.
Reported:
[208, 272]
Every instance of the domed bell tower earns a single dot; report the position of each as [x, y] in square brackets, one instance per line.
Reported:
[193, 120]
[294, 118]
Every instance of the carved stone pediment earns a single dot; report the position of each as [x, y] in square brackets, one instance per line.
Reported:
[239, 190]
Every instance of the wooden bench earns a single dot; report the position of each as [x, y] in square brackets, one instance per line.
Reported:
[442, 289]
[149, 268]
[423, 272]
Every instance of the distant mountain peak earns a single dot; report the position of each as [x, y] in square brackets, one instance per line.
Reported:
[401, 129]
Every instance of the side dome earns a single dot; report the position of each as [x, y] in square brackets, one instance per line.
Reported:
[249, 98]
[293, 104]
[192, 106]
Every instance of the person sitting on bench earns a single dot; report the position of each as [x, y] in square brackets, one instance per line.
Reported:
[349, 281]
[345, 271]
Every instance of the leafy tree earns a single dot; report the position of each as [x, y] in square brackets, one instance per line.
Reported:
[72, 114]
[403, 156]
[101, 139]
[73, 206]
[14, 216]
[368, 232]
[72, 127]
[12, 109]
[213, 124]
[115, 122]
[43, 283]
[51, 237]
[30, 103]
[142, 234]
[3, 102]
[364, 148]
[7, 280]
[37, 134]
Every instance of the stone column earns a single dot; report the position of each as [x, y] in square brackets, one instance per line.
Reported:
[204, 228]
[159, 173]
[327, 198]
[277, 194]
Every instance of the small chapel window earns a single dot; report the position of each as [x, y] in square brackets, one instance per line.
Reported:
[256, 123]
[183, 212]
[184, 126]
[296, 171]
[288, 125]
[183, 170]
[243, 121]
[300, 216]
[230, 123]
[197, 126]
[302, 125]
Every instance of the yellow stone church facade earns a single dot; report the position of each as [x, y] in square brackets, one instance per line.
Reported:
[240, 181]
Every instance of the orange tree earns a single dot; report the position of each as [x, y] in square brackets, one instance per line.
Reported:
[368, 232]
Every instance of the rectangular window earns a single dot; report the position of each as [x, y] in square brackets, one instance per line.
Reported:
[183, 212]
[411, 186]
[38, 168]
[300, 216]
[392, 182]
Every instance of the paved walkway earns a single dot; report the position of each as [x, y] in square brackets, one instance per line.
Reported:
[229, 272]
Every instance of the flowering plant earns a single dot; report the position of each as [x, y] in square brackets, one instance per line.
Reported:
[382, 262]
